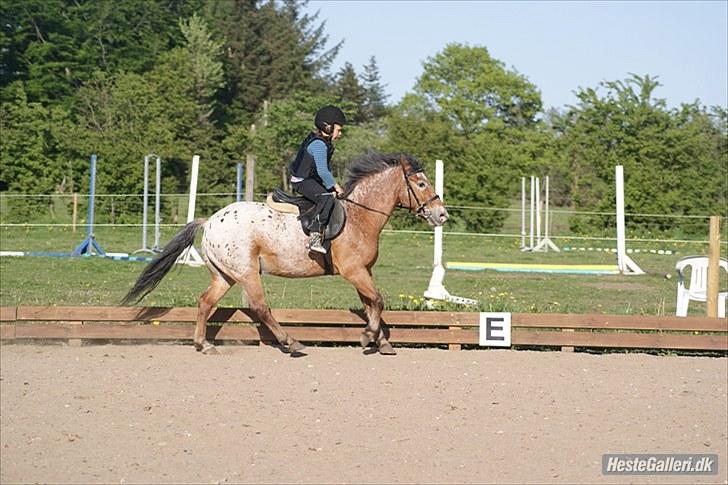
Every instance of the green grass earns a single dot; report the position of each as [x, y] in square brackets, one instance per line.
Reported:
[402, 274]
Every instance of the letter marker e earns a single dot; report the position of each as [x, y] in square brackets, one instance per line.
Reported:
[495, 329]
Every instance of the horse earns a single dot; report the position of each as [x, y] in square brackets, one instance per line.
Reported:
[245, 239]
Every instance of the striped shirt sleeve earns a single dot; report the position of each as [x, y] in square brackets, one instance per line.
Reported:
[318, 151]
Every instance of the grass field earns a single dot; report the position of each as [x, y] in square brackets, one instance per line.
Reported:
[402, 274]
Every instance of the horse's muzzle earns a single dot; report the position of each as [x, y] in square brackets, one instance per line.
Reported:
[437, 216]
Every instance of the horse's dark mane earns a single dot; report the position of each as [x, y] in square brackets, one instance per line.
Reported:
[374, 162]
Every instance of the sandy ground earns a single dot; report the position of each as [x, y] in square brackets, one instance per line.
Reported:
[165, 414]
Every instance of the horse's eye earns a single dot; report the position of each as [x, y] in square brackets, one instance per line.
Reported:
[422, 185]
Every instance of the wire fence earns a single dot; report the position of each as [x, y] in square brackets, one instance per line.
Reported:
[565, 224]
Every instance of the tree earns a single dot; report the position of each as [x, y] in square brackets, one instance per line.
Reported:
[271, 51]
[38, 47]
[469, 111]
[670, 156]
[206, 71]
[349, 91]
[54, 46]
[375, 97]
[476, 92]
[28, 150]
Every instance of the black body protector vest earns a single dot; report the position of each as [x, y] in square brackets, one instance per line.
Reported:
[304, 166]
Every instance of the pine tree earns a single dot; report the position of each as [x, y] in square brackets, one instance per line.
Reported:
[349, 91]
[271, 51]
[374, 96]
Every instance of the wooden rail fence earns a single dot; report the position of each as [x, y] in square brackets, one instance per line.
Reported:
[406, 327]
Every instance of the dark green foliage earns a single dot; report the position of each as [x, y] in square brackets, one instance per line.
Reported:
[271, 51]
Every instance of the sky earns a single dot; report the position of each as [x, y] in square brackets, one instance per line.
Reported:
[559, 46]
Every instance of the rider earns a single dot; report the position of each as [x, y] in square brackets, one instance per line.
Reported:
[311, 170]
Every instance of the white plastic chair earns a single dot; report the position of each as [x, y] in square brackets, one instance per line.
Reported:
[697, 289]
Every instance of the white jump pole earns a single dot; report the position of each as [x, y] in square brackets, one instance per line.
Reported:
[624, 263]
[190, 256]
[545, 243]
[157, 204]
[538, 211]
[523, 213]
[436, 290]
[145, 200]
[531, 214]
[145, 208]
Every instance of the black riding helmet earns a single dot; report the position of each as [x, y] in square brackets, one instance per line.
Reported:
[327, 117]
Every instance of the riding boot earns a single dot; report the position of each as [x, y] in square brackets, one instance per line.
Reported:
[314, 243]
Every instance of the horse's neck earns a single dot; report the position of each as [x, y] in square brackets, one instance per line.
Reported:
[373, 203]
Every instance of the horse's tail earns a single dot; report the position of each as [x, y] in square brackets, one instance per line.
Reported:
[160, 266]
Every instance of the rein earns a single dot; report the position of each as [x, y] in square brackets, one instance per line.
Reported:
[365, 207]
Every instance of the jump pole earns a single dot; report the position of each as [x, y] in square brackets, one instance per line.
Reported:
[624, 262]
[436, 290]
[190, 256]
[90, 244]
[545, 243]
[144, 248]
[239, 182]
[533, 201]
[157, 193]
[523, 213]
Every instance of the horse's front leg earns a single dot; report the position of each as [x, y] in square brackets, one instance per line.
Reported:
[373, 306]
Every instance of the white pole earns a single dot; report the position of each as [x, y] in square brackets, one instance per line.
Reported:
[621, 250]
[546, 209]
[157, 196]
[436, 290]
[146, 201]
[439, 190]
[538, 211]
[523, 212]
[543, 243]
[624, 262]
[193, 188]
[190, 255]
[533, 195]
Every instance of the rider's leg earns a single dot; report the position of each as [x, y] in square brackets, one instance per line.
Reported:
[315, 192]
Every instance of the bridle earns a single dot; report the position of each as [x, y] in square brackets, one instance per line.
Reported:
[422, 206]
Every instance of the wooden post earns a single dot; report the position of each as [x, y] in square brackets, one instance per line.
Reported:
[567, 348]
[454, 346]
[250, 172]
[713, 266]
[75, 210]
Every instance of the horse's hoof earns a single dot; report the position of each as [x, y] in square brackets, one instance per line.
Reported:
[386, 349]
[366, 339]
[295, 347]
[209, 349]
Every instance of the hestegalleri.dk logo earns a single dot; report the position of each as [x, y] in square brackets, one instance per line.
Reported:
[660, 464]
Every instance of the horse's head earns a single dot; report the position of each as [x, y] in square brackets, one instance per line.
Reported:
[419, 196]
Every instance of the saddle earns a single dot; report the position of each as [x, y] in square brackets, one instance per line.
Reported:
[281, 201]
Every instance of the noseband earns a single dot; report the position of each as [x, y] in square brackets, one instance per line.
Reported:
[421, 206]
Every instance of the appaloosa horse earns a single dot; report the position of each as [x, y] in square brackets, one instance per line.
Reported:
[244, 239]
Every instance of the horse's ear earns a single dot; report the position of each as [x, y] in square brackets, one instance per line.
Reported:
[403, 160]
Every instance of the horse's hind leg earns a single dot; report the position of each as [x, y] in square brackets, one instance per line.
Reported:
[217, 289]
[256, 298]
